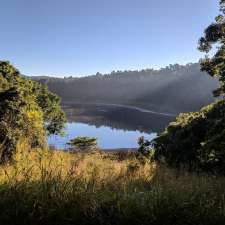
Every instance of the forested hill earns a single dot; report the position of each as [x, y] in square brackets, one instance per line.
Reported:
[173, 89]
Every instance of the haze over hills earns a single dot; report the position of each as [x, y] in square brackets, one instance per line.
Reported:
[172, 89]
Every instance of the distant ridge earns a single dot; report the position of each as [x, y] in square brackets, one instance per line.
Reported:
[173, 89]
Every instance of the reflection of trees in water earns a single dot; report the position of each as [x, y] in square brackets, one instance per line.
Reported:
[117, 118]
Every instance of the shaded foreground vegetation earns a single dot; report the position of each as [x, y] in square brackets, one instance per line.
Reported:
[43, 187]
[195, 140]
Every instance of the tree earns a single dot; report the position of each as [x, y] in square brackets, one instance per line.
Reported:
[54, 117]
[214, 35]
[20, 119]
[49, 102]
[84, 143]
[197, 140]
[27, 111]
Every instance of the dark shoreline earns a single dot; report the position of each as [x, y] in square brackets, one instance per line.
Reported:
[120, 150]
[103, 150]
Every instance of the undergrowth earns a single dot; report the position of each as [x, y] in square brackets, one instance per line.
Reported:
[57, 188]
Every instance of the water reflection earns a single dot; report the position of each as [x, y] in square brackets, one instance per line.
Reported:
[117, 117]
[114, 126]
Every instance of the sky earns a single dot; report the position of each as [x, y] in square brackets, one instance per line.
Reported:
[82, 37]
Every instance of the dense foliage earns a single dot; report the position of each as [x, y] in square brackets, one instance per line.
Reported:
[197, 140]
[27, 111]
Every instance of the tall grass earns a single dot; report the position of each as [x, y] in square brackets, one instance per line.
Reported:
[58, 188]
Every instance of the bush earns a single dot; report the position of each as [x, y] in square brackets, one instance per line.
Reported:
[196, 140]
[145, 149]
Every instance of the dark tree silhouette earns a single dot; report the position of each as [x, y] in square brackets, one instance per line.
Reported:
[215, 35]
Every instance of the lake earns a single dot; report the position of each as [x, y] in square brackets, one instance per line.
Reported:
[115, 126]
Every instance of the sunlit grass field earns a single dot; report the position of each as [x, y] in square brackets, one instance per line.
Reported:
[55, 187]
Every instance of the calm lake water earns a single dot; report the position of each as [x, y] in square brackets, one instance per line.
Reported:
[115, 126]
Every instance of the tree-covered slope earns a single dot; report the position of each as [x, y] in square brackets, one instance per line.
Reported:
[175, 88]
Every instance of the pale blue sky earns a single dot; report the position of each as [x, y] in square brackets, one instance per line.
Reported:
[80, 37]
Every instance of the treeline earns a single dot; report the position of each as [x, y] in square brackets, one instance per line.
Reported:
[175, 88]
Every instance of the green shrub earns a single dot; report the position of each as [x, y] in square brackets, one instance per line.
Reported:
[196, 140]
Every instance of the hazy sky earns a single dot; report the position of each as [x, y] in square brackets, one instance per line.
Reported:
[78, 37]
